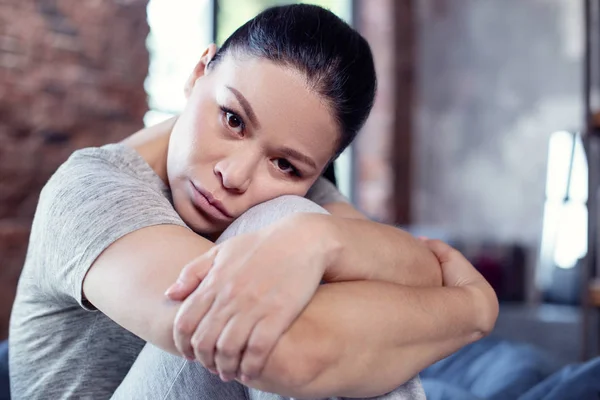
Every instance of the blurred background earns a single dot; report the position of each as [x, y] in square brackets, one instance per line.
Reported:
[481, 134]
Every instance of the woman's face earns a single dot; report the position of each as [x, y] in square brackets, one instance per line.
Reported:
[251, 131]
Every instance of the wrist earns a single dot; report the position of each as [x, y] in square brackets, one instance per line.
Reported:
[317, 233]
[329, 239]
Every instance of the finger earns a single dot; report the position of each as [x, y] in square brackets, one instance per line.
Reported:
[456, 269]
[442, 251]
[191, 312]
[261, 343]
[191, 275]
[232, 342]
[204, 339]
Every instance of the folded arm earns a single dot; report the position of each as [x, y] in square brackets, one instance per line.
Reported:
[367, 337]
[363, 339]
[372, 251]
[347, 329]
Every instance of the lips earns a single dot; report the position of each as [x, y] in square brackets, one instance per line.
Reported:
[205, 201]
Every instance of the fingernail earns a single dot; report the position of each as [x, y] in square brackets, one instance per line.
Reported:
[423, 238]
[245, 378]
[174, 288]
[212, 371]
[224, 378]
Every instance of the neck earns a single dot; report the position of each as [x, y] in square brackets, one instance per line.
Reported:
[152, 143]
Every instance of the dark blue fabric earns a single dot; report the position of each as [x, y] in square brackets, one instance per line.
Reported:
[491, 369]
[494, 369]
[4, 382]
[578, 381]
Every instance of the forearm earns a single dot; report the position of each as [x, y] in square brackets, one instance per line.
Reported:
[362, 339]
[374, 251]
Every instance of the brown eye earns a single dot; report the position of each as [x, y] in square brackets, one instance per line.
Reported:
[286, 167]
[233, 121]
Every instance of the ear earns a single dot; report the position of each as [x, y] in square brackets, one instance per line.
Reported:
[200, 69]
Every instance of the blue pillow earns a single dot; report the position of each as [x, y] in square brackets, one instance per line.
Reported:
[492, 369]
[577, 381]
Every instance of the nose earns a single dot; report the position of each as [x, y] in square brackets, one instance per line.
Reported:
[235, 171]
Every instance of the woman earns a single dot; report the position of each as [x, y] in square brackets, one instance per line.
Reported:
[117, 226]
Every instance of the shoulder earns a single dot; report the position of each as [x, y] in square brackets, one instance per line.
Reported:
[114, 157]
[96, 197]
[99, 189]
[94, 170]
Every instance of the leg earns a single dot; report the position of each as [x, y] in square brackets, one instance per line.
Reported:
[158, 375]
[265, 214]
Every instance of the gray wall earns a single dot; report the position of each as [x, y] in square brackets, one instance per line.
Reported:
[494, 79]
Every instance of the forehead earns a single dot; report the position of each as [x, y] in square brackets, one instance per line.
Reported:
[288, 109]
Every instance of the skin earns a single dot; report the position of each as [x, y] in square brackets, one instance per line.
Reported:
[283, 333]
[260, 146]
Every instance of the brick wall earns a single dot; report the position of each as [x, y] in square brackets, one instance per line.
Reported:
[373, 148]
[71, 76]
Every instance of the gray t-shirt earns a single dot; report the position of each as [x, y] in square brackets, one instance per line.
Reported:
[58, 348]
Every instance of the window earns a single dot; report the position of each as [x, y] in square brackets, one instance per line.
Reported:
[179, 32]
[564, 234]
[234, 13]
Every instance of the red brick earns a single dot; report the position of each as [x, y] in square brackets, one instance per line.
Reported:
[71, 75]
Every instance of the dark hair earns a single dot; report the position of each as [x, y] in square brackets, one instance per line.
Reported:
[336, 59]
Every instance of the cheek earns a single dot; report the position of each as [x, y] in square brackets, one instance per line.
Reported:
[199, 120]
[196, 136]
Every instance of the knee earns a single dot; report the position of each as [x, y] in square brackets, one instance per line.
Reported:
[283, 206]
[264, 214]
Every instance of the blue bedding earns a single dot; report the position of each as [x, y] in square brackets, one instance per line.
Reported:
[4, 382]
[495, 369]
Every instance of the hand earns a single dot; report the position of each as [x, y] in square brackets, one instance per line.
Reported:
[240, 297]
[457, 271]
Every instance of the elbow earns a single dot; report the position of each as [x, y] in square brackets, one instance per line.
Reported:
[492, 311]
[295, 367]
[296, 375]
[487, 310]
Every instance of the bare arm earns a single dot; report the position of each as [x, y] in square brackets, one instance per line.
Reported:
[135, 271]
[314, 355]
[374, 251]
[362, 339]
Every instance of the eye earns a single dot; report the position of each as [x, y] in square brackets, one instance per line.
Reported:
[233, 121]
[286, 167]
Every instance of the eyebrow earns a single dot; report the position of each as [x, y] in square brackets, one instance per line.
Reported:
[298, 156]
[246, 106]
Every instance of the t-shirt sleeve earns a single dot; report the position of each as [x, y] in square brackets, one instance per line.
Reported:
[324, 192]
[88, 204]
